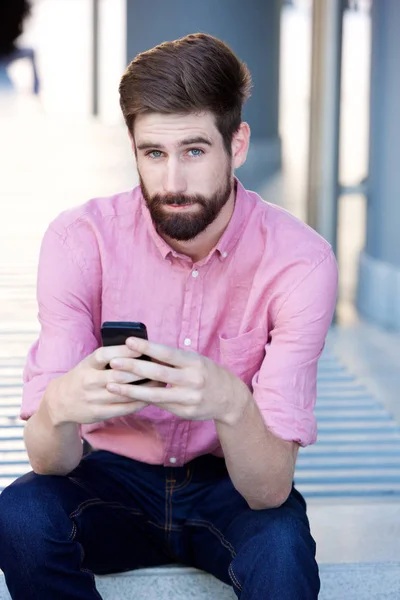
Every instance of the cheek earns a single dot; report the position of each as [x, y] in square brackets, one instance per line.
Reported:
[209, 174]
[150, 174]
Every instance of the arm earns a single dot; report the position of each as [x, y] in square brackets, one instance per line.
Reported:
[65, 377]
[261, 436]
[260, 464]
[53, 448]
[65, 314]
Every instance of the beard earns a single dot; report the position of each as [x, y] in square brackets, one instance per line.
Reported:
[186, 225]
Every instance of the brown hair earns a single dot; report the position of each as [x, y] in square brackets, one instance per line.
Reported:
[195, 73]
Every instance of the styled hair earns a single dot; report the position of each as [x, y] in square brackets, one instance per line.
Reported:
[12, 16]
[195, 73]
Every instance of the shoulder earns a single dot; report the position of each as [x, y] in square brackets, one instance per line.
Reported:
[286, 253]
[86, 230]
[92, 217]
[285, 238]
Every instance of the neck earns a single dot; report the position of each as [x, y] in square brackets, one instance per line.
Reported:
[201, 246]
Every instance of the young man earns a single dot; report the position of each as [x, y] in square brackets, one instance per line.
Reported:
[237, 296]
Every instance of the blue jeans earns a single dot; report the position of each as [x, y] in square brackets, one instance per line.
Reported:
[113, 514]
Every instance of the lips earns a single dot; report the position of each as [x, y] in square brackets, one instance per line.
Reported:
[176, 206]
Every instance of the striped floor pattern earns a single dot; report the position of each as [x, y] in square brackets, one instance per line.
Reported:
[18, 330]
[358, 448]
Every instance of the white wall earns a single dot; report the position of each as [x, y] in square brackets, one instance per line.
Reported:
[61, 33]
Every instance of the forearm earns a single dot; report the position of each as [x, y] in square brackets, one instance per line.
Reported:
[260, 465]
[53, 448]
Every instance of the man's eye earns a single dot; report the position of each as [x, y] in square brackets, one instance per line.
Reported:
[195, 152]
[154, 154]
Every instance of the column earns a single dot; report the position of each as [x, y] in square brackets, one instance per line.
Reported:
[378, 297]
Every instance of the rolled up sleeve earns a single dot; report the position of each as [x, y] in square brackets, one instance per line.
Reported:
[65, 301]
[285, 387]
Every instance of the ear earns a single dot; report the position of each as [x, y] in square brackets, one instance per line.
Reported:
[240, 145]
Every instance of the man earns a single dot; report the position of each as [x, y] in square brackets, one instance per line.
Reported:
[237, 296]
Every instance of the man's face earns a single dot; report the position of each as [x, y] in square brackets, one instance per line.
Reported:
[185, 173]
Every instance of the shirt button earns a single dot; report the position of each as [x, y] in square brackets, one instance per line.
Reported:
[172, 460]
[187, 342]
[224, 254]
[195, 273]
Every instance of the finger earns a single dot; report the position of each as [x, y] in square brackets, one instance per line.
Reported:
[101, 357]
[151, 370]
[120, 376]
[122, 409]
[155, 395]
[161, 353]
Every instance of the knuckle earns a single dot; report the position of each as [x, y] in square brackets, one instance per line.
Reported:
[98, 356]
[196, 396]
[169, 356]
[198, 362]
[163, 373]
[199, 381]
[87, 381]
[190, 412]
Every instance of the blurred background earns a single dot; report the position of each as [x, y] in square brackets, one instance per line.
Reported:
[325, 123]
[67, 142]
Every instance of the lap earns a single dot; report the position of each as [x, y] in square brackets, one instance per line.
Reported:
[100, 506]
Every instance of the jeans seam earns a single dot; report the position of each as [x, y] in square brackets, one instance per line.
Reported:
[171, 491]
[95, 502]
[83, 570]
[235, 580]
[186, 481]
[174, 527]
[166, 506]
[215, 531]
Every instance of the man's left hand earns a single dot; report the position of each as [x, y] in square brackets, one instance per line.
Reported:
[196, 387]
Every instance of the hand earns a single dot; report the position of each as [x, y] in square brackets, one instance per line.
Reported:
[81, 395]
[197, 388]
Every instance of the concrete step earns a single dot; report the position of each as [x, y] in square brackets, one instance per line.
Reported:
[366, 581]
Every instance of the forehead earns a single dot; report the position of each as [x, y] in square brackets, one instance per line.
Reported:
[171, 129]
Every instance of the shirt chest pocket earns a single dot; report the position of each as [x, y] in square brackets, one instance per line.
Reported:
[243, 355]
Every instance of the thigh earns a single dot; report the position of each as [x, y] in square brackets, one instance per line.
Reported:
[97, 511]
[223, 524]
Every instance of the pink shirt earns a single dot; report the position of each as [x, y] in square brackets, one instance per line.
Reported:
[259, 304]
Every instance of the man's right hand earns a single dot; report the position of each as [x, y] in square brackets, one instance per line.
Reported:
[80, 396]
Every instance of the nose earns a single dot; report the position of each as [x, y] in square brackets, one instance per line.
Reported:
[174, 177]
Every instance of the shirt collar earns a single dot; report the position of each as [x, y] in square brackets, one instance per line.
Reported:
[227, 241]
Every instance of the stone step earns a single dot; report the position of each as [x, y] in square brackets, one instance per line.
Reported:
[365, 581]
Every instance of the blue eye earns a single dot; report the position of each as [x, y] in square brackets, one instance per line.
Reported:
[196, 151]
[155, 154]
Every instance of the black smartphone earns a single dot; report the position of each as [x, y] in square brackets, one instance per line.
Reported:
[115, 333]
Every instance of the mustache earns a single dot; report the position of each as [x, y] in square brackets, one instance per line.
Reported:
[181, 200]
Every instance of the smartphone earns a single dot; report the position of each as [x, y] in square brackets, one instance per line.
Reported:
[115, 333]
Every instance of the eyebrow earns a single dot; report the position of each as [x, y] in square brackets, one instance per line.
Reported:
[186, 142]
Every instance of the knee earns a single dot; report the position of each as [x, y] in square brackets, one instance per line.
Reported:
[282, 535]
[288, 535]
[277, 553]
